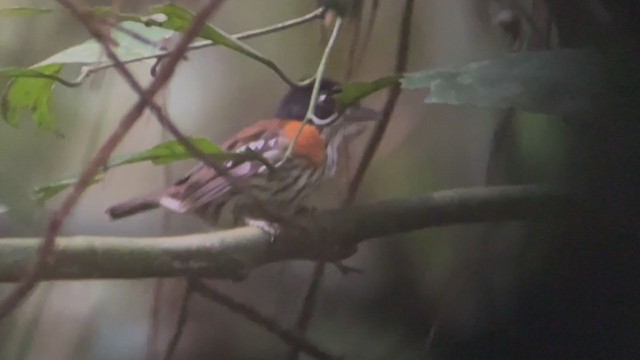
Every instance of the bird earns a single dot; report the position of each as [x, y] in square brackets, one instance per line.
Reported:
[261, 195]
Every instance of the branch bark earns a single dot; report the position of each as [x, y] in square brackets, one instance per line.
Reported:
[327, 236]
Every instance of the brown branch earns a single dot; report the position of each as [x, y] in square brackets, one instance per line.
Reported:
[46, 249]
[402, 58]
[181, 322]
[231, 254]
[308, 305]
[154, 319]
[254, 316]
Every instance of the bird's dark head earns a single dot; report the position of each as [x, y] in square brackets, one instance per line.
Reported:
[328, 112]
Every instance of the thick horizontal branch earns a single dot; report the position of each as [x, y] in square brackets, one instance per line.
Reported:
[231, 254]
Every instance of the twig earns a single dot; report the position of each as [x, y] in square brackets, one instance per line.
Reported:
[231, 254]
[45, 253]
[311, 116]
[309, 302]
[254, 316]
[314, 15]
[306, 312]
[375, 4]
[356, 30]
[180, 323]
[154, 315]
[402, 56]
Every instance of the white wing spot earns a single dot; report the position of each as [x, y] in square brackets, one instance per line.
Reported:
[256, 145]
[172, 204]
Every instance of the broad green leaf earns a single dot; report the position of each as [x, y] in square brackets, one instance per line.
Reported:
[356, 91]
[168, 152]
[90, 51]
[557, 82]
[23, 11]
[44, 193]
[163, 153]
[31, 94]
[30, 89]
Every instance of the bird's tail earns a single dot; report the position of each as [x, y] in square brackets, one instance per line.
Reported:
[134, 206]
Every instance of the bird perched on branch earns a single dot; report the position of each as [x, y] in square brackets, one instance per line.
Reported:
[264, 195]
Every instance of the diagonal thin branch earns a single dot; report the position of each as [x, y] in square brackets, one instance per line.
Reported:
[256, 317]
[46, 250]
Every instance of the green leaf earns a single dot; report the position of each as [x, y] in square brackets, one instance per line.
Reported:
[128, 48]
[33, 73]
[43, 193]
[30, 88]
[180, 19]
[356, 91]
[23, 11]
[558, 82]
[31, 94]
[163, 153]
[168, 152]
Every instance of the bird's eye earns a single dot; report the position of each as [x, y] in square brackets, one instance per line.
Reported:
[325, 107]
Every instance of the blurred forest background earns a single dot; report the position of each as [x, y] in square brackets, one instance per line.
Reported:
[500, 291]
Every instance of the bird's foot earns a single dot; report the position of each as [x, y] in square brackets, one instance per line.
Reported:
[271, 228]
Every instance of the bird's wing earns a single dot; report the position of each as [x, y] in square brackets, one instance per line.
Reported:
[203, 185]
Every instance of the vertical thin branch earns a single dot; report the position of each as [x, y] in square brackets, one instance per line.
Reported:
[310, 115]
[402, 57]
[154, 317]
[256, 317]
[180, 323]
[45, 251]
[309, 304]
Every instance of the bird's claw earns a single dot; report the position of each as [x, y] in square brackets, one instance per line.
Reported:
[271, 228]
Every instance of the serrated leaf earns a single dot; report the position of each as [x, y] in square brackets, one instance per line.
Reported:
[128, 48]
[356, 91]
[30, 89]
[163, 153]
[557, 82]
[23, 11]
[31, 94]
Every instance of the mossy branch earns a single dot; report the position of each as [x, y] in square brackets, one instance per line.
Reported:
[327, 235]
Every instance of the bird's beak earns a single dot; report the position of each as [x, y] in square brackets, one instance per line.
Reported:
[359, 113]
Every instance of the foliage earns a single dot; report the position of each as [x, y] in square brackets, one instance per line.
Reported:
[558, 82]
[163, 153]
